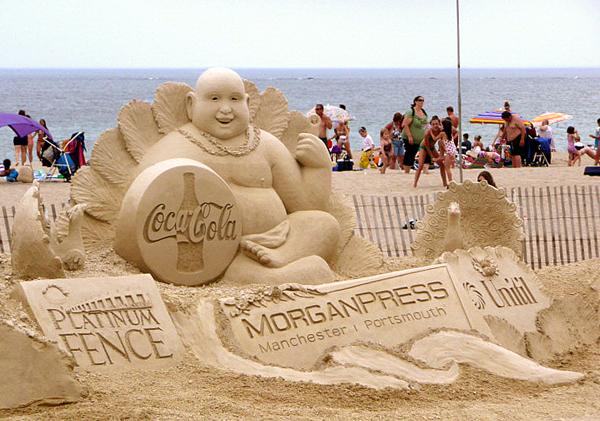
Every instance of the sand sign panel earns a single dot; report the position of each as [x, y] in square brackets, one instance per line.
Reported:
[499, 284]
[179, 221]
[293, 325]
[107, 324]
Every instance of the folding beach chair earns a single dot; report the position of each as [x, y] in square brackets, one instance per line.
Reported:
[542, 155]
[59, 158]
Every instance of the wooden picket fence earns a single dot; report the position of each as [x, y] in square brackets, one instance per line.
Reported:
[561, 223]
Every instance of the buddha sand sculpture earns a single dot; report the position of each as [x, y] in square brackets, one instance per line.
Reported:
[276, 168]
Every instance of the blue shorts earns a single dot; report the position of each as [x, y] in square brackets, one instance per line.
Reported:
[398, 147]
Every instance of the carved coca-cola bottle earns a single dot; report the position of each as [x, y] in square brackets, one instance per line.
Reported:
[189, 254]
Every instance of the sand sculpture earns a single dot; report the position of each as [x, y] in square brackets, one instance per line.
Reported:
[35, 235]
[485, 217]
[292, 227]
[34, 371]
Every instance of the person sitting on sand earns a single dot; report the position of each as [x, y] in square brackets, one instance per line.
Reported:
[5, 171]
[282, 197]
[575, 148]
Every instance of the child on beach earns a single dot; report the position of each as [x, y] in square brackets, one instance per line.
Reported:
[385, 153]
[427, 148]
[5, 170]
[447, 147]
[367, 160]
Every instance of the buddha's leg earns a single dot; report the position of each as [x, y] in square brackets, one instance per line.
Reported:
[310, 233]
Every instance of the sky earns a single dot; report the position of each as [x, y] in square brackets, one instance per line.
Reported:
[298, 34]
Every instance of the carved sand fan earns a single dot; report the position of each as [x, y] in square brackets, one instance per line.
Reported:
[117, 152]
[488, 218]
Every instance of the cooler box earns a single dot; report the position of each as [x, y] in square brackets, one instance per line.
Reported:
[345, 165]
[592, 171]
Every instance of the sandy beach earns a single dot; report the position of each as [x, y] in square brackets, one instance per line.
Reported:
[193, 391]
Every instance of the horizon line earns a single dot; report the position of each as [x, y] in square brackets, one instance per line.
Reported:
[304, 68]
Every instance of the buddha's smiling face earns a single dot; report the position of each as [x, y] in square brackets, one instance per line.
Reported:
[219, 105]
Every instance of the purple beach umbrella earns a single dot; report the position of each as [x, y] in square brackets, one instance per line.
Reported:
[22, 125]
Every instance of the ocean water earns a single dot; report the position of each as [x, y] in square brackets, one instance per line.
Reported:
[88, 100]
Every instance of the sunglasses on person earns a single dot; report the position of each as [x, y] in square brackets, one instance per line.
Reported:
[420, 100]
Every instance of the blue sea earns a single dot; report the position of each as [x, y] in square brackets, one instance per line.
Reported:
[88, 100]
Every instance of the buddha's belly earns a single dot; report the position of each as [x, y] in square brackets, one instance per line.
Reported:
[261, 208]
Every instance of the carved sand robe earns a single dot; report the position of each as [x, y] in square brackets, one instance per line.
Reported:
[487, 218]
[292, 228]
[37, 250]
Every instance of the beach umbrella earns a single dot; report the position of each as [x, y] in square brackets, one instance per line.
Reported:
[22, 125]
[492, 117]
[551, 117]
[336, 114]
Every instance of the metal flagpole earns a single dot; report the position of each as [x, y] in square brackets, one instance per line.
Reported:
[460, 159]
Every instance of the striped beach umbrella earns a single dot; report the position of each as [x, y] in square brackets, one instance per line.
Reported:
[551, 117]
[492, 117]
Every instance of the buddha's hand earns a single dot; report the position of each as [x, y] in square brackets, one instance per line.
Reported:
[311, 152]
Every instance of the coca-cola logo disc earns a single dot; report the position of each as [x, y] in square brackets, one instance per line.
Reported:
[179, 221]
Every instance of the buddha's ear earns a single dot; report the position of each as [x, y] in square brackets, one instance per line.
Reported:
[190, 103]
[248, 101]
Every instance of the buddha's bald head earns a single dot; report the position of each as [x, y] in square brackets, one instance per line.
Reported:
[219, 105]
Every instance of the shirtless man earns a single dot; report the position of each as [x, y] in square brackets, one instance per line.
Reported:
[326, 124]
[282, 197]
[514, 131]
[453, 117]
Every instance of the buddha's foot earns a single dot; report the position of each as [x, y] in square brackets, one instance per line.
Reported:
[263, 247]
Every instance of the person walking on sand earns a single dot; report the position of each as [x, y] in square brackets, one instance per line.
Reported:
[395, 128]
[514, 131]
[427, 148]
[325, 125]
[453, 117]
[448, 149]
[413, 125]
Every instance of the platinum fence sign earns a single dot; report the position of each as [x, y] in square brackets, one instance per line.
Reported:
[293, 327]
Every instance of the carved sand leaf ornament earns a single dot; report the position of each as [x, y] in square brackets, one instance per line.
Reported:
[111, 159]
[506, 334]
[138, 127]
[169, 106]
[488, 218]
[273, 115]
[253, 98]
[102, 198]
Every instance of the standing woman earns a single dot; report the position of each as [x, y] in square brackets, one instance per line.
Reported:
[41, 138]
[413, 125]
[395, 128]
[427, 148]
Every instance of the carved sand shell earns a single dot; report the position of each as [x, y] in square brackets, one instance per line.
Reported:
[111, 159]
[359, 257]
[254, 98]
[552, 323]
[507, 335]
[488, 218]
[539, 346]
[273, 115]
[102, 198]
[580, 322]
[169, 107]
[340, 206]
[138, 128]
